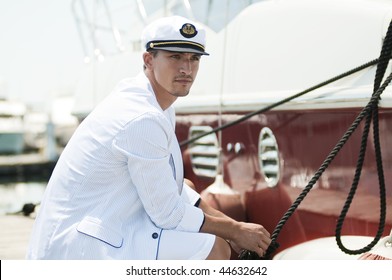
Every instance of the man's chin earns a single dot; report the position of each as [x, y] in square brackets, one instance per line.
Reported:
[181, 94]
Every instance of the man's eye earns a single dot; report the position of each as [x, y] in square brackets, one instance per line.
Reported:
[196, 58]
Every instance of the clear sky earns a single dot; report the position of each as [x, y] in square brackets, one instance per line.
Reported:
[41, 55]
[40, 51]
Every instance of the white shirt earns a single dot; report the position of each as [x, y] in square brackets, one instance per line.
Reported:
[117, 184]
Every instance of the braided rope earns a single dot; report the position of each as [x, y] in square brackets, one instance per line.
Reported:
[381, 68]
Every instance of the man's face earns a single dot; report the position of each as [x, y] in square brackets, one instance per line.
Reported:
[174, 72]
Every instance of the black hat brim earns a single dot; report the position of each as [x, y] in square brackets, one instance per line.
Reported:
[181, 49]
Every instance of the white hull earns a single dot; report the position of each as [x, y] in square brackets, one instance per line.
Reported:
[11, 142]
[11, 127]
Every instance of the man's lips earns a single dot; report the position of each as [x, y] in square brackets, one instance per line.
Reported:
[183, 80]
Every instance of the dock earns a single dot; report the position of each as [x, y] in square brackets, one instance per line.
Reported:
[25, 166]
[15, 229]
[14, 236]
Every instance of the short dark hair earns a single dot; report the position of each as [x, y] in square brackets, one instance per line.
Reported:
[154, 54]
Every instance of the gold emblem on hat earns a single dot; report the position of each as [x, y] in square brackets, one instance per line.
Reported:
[188, 30]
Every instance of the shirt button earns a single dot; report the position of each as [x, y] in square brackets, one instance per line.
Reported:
[155, 235]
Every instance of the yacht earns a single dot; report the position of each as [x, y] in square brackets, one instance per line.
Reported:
[11, 126]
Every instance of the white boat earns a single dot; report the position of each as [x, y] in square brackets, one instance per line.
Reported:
[11, 127]
[38, 125]
[35, 124]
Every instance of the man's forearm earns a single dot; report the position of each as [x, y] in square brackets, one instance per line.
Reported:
[221, 226]
[211, 210]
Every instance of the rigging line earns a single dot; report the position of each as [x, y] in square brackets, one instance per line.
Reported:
[366, 110]
[271, 106]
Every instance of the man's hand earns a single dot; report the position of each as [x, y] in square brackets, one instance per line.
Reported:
[252, 237]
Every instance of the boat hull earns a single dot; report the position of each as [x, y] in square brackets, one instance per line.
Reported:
[11, 142]
[305, 138]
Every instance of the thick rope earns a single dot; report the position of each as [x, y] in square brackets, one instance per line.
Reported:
[380, 72]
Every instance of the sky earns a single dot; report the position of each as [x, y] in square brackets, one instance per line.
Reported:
[40, 51]
[41, 55]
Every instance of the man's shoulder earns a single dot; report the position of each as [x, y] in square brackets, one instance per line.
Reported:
[138, 83]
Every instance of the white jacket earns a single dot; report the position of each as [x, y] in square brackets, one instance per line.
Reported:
[117, 184]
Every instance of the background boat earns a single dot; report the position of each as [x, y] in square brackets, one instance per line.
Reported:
[11, 127]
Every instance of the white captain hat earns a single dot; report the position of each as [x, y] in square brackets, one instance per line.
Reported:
[174, 33]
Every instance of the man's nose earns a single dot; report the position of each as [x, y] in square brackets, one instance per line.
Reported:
[186, 67]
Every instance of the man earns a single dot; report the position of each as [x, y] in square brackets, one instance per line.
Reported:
[118, 191]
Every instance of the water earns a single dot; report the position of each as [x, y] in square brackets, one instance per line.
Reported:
[13, 195]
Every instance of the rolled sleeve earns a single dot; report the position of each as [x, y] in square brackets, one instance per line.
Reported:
[189, 195]
[192, 220]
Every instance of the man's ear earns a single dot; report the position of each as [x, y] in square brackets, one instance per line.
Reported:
[147, 59]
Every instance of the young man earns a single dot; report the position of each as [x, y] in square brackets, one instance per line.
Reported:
[118, 191]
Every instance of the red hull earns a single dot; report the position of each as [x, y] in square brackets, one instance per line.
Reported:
[305, 138]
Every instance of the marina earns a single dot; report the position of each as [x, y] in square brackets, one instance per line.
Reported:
[30, 144]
